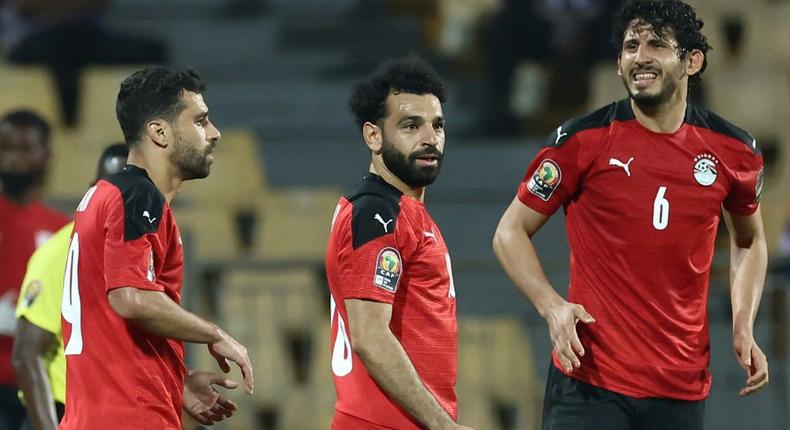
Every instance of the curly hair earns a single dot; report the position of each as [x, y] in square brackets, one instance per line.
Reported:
[153, 92]
[404, 75]
[24, 118]
[666, 17]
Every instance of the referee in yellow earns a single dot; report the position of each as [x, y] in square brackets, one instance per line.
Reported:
[39, 363]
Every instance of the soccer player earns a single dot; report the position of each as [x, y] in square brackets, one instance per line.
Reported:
[25, 224]
[643, 183]
[123, 327]
[394, 332]
[38, 359]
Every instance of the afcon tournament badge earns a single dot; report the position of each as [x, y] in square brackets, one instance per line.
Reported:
[705, 169]
[545, 179]
[150, 273]
[388, 269]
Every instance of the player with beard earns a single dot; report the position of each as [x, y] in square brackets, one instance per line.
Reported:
[25, 224]
[643, 183]
[123, 327]
[394, 332]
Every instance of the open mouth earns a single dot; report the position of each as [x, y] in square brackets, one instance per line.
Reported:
[644, 78]
[428, 160]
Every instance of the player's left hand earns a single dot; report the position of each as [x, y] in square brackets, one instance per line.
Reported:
[202, 402]
[753, 360]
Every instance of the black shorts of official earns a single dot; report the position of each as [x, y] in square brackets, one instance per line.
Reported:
[573, 404]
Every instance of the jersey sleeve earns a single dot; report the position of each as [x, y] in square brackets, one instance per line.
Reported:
[42, 289]
[553, 175]
[744, 196]
[128, 251]
[370, 256]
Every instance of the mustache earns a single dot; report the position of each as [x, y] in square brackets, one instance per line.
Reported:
[645, 70]
[430, 150]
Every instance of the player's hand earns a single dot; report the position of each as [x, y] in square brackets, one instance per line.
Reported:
[202, 402]
[562, 319]
[753, 360]
[227, 348]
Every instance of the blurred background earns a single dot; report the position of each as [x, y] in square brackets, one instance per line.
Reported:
[279, 73]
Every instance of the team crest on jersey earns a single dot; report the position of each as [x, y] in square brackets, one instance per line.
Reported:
[545, 180]
[150, 274]
[388, 269]
[705, 170]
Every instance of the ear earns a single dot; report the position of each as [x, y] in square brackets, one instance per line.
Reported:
[373, 137]
[619, 72]
[695, 60]
[156, 131]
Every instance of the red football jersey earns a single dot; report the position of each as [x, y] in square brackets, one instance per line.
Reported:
[385, 247]
[642, 211]
[23, 228]
[119, 376]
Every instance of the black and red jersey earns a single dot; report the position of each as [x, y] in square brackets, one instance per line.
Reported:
[385, 247]
[642, 212]
[119, 376]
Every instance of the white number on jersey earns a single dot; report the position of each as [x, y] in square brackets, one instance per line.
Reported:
[70, 305]
[86, 199]
[660, 210]
[342, 361]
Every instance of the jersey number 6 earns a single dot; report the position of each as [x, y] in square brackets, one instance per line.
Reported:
[70, 305]
[660, 210]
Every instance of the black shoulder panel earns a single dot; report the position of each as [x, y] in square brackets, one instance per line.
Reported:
[375, 209]
[143, 203]
[617, 111]
[706, 119]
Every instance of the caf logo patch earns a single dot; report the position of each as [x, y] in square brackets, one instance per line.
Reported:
[388, 269]
[545, 180]
[150, 273]
[705, 169]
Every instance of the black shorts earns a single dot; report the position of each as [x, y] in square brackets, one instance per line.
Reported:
[573, 404]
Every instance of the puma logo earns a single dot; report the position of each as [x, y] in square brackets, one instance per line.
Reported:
[378, 218]
[148, 217]
[560, 135]
[625, 166]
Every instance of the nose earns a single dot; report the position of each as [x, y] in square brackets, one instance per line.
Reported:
[643, 54]
[213, 134]
[431, 136]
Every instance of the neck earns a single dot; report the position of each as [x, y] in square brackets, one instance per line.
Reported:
[159, 170]
[377, 166]
[666, 117]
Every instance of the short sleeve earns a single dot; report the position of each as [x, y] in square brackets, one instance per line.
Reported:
[553, 175]
[127, 263]
[744, 196]
[42, 288]
[370, 257]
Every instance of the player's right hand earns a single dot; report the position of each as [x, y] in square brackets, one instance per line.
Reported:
[227, 348]
[562, 319]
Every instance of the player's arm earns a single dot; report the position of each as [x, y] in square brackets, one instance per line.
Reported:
[748, 263]
[515, 251]
[389, 365]
[31, 343]
[158, 314]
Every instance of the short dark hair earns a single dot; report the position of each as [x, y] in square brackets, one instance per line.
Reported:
[666, 17]
[29, 119]
[150, 93]
[404, 75]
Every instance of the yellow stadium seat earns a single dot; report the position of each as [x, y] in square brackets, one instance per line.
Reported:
[29, 87]
[605, 86]
[100, 86]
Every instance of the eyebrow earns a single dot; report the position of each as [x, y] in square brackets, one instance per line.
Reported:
[201, 115]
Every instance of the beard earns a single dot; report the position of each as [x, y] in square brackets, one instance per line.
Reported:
[16, 185]
[668, 87]
[191, 163]
[405, 166]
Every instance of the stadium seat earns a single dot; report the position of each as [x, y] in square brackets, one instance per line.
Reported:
[28, 87]
[212, 230]
[100, 86]
[605, 86]
[295, 224]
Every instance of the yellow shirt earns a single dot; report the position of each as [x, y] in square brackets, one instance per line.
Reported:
[40, 301]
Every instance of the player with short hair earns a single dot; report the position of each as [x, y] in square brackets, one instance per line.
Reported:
[25, 224]
[394, 331]
[642, 182]
[38, 359]
[123, 327]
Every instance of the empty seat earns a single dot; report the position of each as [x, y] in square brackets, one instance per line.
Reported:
[28, 87]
